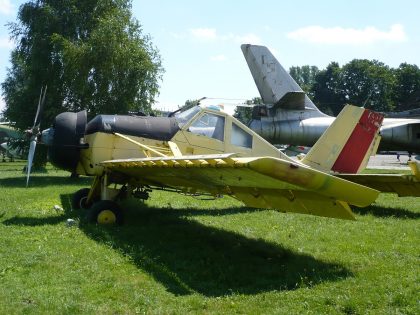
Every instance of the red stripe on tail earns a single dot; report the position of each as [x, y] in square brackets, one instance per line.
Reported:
[359, 142]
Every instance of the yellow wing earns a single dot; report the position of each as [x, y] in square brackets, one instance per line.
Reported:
[263, 182]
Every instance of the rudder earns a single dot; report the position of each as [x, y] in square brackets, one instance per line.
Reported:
[346, 145]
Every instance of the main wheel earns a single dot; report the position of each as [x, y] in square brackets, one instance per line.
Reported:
[105, 212]
[79, 200]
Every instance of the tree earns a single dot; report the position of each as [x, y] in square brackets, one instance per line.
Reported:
[305, 77]
[91, 54]
[360, 82]
[327, 90]
[406, 90]
[368, 83]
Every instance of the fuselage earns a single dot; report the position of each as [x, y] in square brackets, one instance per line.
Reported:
[80, 146]
[397, 134]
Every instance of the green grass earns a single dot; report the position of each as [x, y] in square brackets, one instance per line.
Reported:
[178, 255]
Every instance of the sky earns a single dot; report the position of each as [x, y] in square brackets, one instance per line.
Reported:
[199, 41]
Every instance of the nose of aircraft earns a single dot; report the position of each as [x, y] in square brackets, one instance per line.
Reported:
[63, 139]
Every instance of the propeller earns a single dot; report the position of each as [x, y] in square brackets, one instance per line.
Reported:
[34, 132]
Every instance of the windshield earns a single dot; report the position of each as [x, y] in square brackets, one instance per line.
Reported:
[185, 116]
[209, 125]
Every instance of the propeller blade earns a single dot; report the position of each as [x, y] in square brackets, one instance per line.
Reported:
[40, 108]
[34, 132]
[31, 154]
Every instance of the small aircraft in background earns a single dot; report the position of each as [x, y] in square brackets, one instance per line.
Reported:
[204, 150]
[288, 116]
[7, 133]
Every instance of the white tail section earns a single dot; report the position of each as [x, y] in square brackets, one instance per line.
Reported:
[274, 83]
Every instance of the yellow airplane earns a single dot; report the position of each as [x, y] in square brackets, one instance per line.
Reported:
[203, 150]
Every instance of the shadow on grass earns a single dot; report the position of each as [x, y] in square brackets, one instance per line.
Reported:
[213, 212]
[43, 181]
[187, 257]
[384, 212]
[28, 221]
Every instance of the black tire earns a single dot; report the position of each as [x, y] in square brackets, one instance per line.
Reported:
[79, 199]
[105, 212]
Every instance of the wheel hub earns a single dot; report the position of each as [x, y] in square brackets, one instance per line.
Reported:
[107, 217]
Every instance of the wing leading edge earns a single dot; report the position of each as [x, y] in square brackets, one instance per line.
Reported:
[262, 182]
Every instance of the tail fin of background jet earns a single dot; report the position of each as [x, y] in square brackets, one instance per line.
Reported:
[347, 144]
[274, 83]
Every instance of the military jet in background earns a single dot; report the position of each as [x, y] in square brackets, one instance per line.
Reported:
[289, 117]
[411, 113]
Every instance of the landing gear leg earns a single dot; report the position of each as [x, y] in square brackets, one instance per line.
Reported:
[105, 211]
[84, 198]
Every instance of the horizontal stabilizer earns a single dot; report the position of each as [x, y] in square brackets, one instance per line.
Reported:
[402, 184]
[292, 100]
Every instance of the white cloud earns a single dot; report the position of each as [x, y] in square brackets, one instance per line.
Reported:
[204, 33]
[218, 58]
[5, 42]
[6, 7]
[348, 36]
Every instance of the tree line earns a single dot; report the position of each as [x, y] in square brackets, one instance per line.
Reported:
[361, 82]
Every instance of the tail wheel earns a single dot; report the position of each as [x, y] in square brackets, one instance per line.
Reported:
[79, 200]
[105, 212]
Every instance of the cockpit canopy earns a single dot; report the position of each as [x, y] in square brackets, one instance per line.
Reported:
[205, 121]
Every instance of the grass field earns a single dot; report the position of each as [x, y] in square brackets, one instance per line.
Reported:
[178, 255]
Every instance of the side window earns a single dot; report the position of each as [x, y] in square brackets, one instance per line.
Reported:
[209, 125]
[240, 137]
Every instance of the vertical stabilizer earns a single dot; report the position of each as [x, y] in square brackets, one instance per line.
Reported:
[274, 83]
[346, 145]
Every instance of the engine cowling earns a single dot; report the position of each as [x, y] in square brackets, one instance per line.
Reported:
[66, 134]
